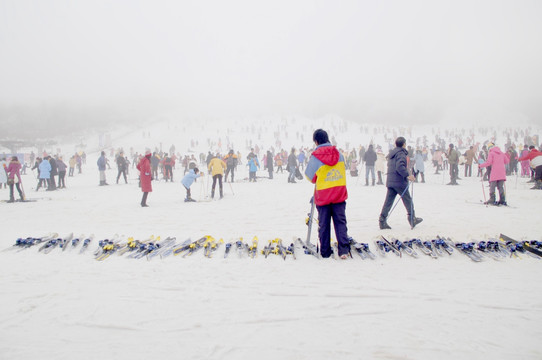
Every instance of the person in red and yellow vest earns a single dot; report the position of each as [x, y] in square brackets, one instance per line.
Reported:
[326, 169]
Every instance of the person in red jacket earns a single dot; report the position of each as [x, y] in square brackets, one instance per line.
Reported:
[326, 169]
[145, 177]
[535, 157]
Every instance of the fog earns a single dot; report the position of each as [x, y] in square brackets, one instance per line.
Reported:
[387, 61]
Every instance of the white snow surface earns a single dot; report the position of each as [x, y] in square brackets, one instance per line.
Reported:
[66, 305]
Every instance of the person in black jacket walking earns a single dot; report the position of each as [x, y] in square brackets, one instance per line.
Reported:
[54, 172]
[397, 183]
[370, 160]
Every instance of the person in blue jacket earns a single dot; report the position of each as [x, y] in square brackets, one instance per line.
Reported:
[44, 169]
[188, 180]
[253, 166]
[102, 162]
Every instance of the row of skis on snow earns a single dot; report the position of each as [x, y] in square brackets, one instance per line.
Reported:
[500, 247]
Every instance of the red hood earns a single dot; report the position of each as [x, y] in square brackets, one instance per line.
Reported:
[327, 154]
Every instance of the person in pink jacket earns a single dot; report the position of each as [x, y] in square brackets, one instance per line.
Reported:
[14, 178]
[497, 160]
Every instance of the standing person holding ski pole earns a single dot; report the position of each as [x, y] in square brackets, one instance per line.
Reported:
[497, 160]
[397, 183]
[326, 169]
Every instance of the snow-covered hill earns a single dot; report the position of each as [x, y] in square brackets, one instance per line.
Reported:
[64, 305]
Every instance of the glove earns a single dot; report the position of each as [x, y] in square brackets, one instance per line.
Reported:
[147, 174]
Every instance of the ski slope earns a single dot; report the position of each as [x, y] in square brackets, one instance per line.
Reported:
[66, 305]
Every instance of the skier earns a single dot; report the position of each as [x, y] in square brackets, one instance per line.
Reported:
[122, 167]
[524, 163]
[380, 164]
[168, 168]
[470, 157]
[269, 163]
[54, 172]
[188, 180]
[101, 167]
[397, 184]
[14, 178]
[61, 173]
[44, 173]
[370, 159]
[231, 163]
[535, 157]
[497, 160]
[253, 166]
[3, 174]
[216, 168]
[145, 176]
[419, 167]
[292, 165]
[326, 169]
[453, 160]
[301, 159]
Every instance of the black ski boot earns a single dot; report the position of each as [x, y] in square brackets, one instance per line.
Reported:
[413, 221]
[383, 223]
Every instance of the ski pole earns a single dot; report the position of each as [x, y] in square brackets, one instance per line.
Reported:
[397, 202]
[231, 188]
[412, 205]
[483, 189]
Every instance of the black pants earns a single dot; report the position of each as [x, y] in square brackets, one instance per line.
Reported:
[215, 178]
[11, 197]
[52, 184]
[188, 196]
[454, 172]
[61, 179]
[228, 169]
[144, 199]
[390, 198]
[169, 172]
[123, 173]
[499, 184]
[337, 213]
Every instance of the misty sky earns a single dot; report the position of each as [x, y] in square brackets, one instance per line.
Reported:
[268, 55]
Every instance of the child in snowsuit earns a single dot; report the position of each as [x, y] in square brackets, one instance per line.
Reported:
[188, 180]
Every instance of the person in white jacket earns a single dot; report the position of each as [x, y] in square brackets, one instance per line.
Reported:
[380, 164]
[3, 175]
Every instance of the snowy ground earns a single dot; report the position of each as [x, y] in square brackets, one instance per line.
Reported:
[64, 305]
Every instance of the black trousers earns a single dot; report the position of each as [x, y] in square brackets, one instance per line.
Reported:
[61, 179]
[390, 198]
[228, 169]
[123, 173]
[217, 177]
[144, 198]
[337, 212]
[454, 172]
[11, 197]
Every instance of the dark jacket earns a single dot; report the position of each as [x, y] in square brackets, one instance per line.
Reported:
[54, 167]
[370, 157]
[292, 160]
[397, 168]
